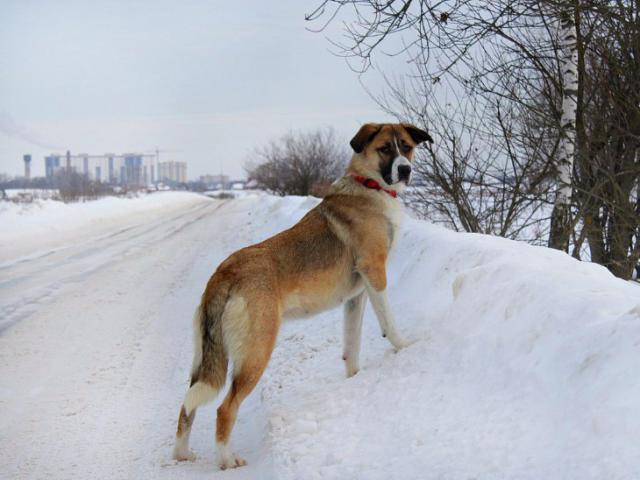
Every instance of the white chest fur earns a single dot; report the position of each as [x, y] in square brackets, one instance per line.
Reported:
[393, 217]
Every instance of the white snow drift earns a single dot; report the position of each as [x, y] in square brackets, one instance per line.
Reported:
[45, 224]
[524, 364]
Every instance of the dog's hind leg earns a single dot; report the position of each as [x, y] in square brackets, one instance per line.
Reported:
[181, 450]
[208, 372]
[200, 392]
[353, 313]
[250, 360]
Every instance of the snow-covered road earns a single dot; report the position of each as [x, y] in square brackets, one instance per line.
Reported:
[96, 345]
[524, 365]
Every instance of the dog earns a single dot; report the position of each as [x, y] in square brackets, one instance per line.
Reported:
[336, 254]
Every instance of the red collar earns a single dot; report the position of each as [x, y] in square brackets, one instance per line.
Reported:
[370, 183]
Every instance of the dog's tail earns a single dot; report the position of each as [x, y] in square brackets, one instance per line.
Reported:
[210, 359]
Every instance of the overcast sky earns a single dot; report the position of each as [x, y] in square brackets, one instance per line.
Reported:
[208, 80]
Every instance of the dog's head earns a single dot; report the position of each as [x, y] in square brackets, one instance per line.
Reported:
[384, 152]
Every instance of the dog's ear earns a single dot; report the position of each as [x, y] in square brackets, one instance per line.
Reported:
[417, 134]
[364, 136]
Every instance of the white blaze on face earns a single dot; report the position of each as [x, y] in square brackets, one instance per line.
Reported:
[397, 162]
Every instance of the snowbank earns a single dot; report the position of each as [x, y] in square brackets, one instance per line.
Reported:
[31, 193]
[524, 366]
[43, 224]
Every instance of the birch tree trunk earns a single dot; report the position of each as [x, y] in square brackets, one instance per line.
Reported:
[561, 218]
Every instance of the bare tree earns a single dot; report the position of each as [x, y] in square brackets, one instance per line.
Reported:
[607, 170]
[74, 186]
[534, 107]
[479, 70]
[487, 171]
[299, 163]
[561, 219]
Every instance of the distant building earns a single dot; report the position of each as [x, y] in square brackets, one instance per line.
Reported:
[27, 166]
[85, 163]
[51, 165]
[129, 169]
[133, 171]
[112, 168]
[215, 181]
[172, 172]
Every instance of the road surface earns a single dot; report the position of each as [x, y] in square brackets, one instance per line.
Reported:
[95, 348]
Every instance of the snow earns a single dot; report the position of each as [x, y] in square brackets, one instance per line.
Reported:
[30, 193]
[49, 223]
[523, 364]
[232, 193]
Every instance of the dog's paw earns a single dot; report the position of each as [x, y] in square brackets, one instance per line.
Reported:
[183, 455]
[400, 343]
[351, 371]
[231, 461]
[351, 365]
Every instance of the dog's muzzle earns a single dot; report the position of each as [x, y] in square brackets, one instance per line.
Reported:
[401, 170]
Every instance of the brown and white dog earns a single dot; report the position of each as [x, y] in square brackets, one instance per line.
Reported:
[336, 254]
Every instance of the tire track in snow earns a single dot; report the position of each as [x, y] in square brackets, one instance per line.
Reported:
[32, 283]
[102, 369]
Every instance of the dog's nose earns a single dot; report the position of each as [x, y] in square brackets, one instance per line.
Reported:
[404, 171]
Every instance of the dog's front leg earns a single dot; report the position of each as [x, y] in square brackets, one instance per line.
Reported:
[375, 276]
[353, 313]
[387, 322]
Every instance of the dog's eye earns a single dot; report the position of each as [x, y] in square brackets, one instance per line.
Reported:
[385, 149]
[406, 148]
